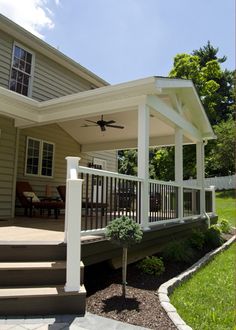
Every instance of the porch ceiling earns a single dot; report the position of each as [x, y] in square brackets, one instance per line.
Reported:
[172, 102]
[92, 138]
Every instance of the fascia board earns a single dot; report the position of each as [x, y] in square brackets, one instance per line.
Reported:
[125, 90]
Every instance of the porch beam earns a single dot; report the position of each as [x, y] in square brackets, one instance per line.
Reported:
[143, 161]
[168, 140]
[173, 117]
[179, 168]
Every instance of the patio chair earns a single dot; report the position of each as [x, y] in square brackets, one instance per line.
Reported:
[29, 200]
[86, 204]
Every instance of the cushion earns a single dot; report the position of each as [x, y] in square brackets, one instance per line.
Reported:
[31, 194]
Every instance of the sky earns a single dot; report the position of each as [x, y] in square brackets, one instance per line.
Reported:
[123, 40]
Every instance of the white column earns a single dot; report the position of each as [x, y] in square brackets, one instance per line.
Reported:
[179, 168]
[201, 174]
[143, 161]
[73, 229]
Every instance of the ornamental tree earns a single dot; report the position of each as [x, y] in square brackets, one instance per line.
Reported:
[124, 232]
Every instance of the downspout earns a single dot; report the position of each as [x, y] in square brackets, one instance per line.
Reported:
[15, 173]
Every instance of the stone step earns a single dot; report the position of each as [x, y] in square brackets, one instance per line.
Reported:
[41, 300]
[35, 273]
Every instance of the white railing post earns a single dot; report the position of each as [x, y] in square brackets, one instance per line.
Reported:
[73, 224]
[213, 191]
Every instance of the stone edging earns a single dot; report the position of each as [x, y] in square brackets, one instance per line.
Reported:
[168, 287]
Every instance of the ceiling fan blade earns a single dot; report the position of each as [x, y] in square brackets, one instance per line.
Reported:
[115, 126]
[91, 121]
[85, 125]
[110, 122]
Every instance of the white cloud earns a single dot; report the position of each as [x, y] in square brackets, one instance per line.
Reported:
[33, 15]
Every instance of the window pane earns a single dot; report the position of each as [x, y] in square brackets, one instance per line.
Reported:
[20, 77]
[28, 68]
[16, 62]
[23, 55]
[29, 58]
[21, 70]
[22, 65]
[47, 159]
[18, 87]
[13, 74]
[13, 85]
[32, 166]
[24, 90]
[17, 51]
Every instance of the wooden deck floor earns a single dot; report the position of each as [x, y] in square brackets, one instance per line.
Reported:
[25, 229]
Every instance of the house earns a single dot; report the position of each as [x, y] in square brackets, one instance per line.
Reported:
[51, 108]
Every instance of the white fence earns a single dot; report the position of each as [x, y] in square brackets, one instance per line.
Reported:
[223, 182]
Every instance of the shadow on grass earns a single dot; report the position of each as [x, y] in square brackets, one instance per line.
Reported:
[119, 304]
[226, 193]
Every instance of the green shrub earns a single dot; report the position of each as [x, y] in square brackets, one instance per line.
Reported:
[224, 226]
[213, 236]
[180, 251]
[197, 239]
[124, 231]
[152, 265]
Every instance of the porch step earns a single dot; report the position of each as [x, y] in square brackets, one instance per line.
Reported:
[32, 251]
[35, 273]
[41, 300]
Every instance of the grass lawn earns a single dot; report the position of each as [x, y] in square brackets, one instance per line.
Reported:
[207, 301]
[226, 206]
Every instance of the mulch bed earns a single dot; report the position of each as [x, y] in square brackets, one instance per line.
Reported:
[141, 306]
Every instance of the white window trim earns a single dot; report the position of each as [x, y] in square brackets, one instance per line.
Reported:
[31, 76]
[102, 162]
[41, 142]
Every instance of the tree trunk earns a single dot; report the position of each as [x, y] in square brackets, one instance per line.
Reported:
[124, 271]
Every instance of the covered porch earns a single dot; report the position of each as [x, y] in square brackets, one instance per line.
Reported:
[154, 111]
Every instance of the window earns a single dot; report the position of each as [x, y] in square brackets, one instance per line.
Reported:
[39, 157]
[21, 71]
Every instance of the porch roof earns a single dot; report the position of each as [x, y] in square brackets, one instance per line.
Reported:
[172, 102]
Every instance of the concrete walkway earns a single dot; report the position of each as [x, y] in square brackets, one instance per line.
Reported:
[64, 322]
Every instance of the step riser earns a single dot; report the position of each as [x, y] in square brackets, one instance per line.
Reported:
[35, 277]
[74, 304]
[32, 252]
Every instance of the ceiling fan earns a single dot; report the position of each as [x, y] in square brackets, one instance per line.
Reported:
[102, 124]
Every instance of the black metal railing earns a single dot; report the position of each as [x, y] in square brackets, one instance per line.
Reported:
[106, 196]
[191, 202]
[163, 201]
[209, 201]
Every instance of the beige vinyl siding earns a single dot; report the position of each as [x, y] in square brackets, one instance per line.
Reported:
[64, 146]
[49, 79]
[52, 80]
[5, 59]
[7, 162]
